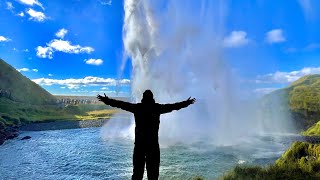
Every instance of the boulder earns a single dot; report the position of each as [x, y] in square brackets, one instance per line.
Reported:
[26, 137]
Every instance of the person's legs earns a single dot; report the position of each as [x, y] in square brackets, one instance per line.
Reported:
[153, 162]
[138, 162]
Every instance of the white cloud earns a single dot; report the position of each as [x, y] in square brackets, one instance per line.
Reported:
[23, 70]
[31, 3]
[275, 36]
[61, 46]
[27, 70]
[73, 86]
[106, 2]
[104, 88]
[4, 39]
[65, 46]
[287, 77]
[26, 50]
[263, 91]
[9, 5]
[61, 33]
[44, 52]
[236, 39]
[36, 15]
[96, 62]
[89, 81]
[21, 14]
[50, 75]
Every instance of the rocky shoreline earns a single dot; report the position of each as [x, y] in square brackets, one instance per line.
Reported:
[13, 132]
[8, 133]
[63, 124]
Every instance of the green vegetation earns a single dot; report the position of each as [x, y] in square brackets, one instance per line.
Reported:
[23, 101]
[303, 154]
[272, 172]
[15, 113]
[313, 130]
[19, 88]
[300, 161]
[301, 99]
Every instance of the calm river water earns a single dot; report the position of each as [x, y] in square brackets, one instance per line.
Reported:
[83, 154]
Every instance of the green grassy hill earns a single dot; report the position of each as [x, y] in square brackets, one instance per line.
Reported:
[23, 101]
[301, 99]
[18, 88]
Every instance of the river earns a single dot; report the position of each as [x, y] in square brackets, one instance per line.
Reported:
[83, 154]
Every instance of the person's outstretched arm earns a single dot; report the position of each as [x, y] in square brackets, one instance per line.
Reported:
[116, 103]
[166, 108]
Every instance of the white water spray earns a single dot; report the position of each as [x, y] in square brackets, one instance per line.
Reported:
[176, 51]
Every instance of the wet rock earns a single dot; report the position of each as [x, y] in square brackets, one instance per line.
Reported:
[8, 133]
[2, 137]
[26, 137]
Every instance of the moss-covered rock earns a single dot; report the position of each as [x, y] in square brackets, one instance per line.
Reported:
[303, 154]
[313, 130]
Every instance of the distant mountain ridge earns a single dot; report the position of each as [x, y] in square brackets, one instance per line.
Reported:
[18, 88]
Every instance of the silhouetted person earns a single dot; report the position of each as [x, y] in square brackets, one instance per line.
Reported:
[147, 119]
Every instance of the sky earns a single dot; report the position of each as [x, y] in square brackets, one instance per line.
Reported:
[75, 47]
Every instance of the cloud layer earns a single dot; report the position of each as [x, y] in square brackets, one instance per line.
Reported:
[87, 81]
[287, 77]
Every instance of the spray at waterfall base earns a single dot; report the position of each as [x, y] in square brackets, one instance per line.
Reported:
[177, 55]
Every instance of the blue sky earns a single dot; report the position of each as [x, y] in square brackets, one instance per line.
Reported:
[75, 47]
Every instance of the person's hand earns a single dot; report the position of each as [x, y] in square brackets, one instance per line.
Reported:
[191, 101]
[101, 98]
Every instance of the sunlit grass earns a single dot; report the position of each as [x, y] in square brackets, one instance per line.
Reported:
[97, 114]
[313, 130]
[300, 161]
[17, 113]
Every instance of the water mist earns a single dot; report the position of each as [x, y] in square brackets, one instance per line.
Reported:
[177, 51]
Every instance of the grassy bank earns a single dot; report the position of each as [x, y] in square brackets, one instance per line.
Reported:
[17, 113]
[300, 161]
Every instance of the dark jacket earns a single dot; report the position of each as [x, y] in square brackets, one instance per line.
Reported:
[147, 117]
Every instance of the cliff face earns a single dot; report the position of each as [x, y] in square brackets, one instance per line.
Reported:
[301, 99]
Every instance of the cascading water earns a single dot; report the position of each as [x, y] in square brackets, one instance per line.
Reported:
[177, 51]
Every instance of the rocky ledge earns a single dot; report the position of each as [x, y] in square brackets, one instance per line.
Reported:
[8, 133]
